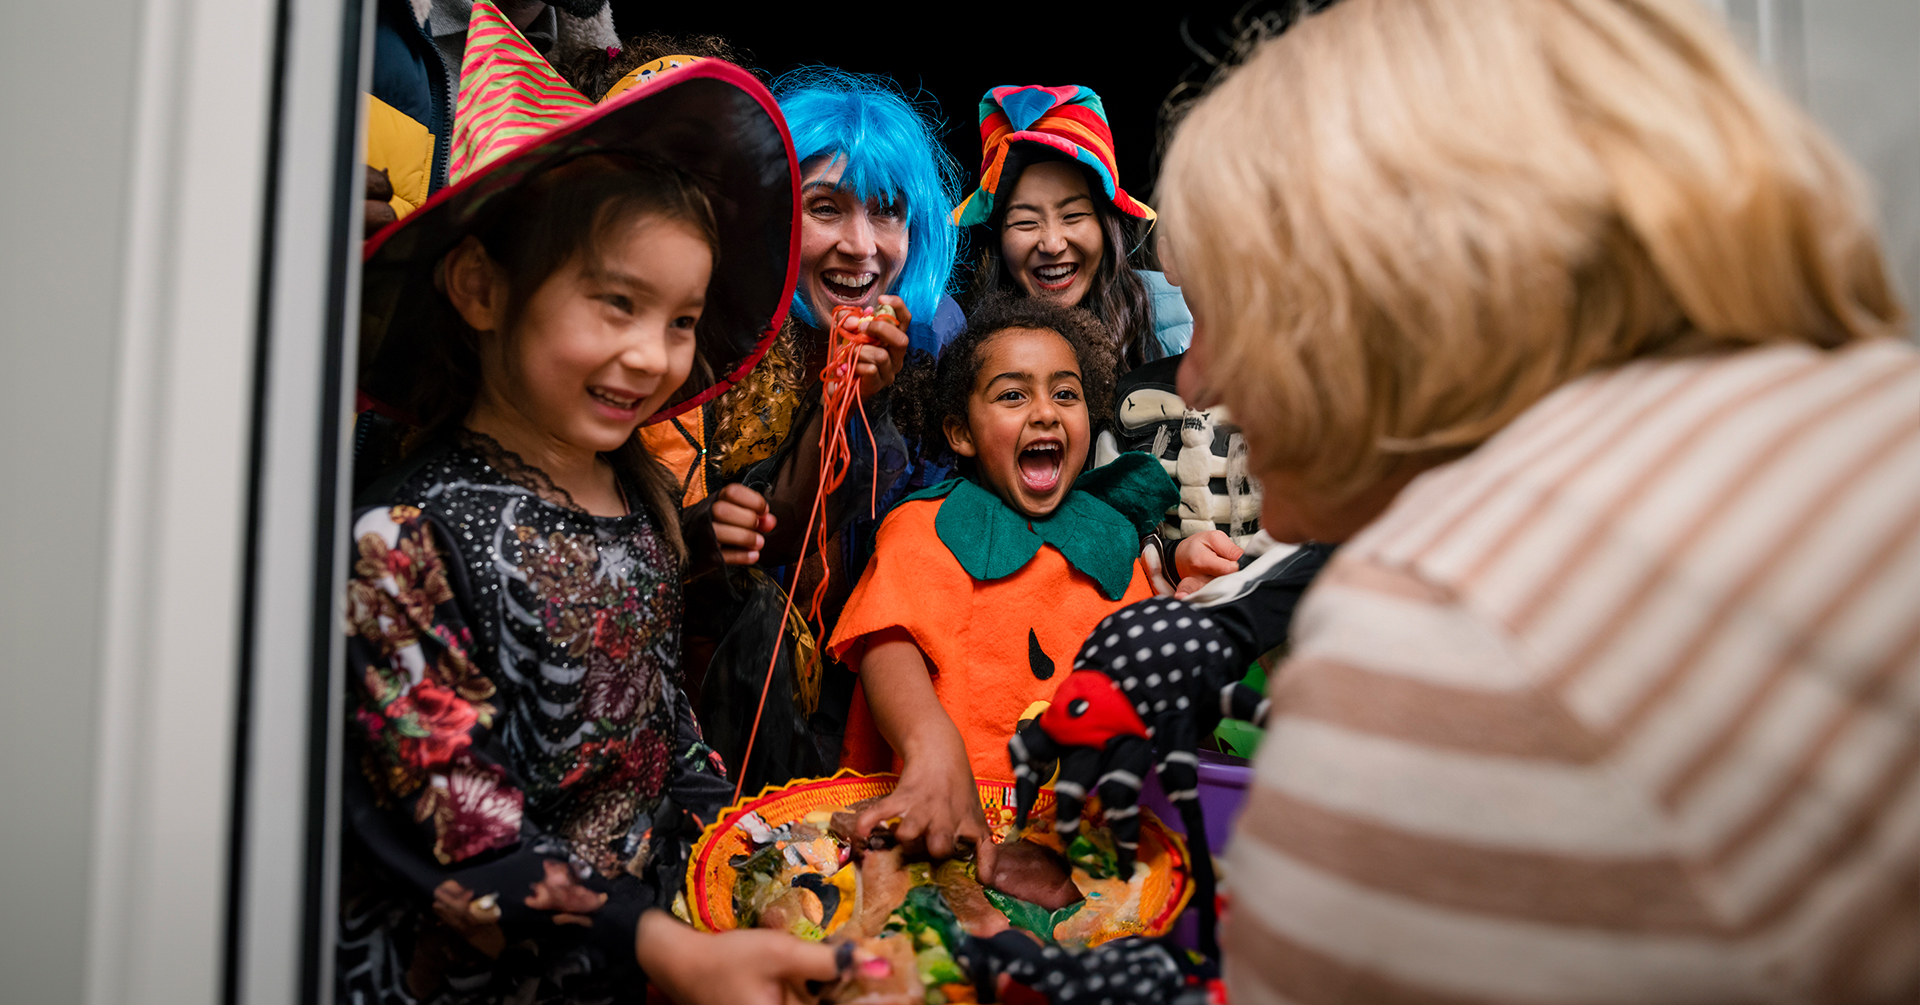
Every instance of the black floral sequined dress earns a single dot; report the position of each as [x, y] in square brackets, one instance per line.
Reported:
[530, 775]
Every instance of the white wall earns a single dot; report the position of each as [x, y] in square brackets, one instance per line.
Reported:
[1863, 82]
[1856, 65]
[130, 216]
[63, 203]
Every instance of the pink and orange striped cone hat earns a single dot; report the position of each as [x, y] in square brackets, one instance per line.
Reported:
[508, 93]
[516, 119]
[1069, 119]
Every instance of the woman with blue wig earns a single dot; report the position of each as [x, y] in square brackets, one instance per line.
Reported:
[875, 179]
[875, 192]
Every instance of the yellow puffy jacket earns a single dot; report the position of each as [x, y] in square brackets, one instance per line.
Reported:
[409, 109]
[410, 105]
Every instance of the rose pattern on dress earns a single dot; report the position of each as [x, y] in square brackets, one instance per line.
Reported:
[600, 601]
[419, 712]
[472, 811]
[432, 724]
[514, 709]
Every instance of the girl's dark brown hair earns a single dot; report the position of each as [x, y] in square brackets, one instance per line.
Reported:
[593, 72]
[926, 394]
[571, 210]
[1118, 295]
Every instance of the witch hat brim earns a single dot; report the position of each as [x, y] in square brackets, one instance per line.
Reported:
[712, 120]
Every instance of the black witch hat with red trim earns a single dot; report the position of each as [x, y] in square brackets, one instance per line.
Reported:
[711, 120]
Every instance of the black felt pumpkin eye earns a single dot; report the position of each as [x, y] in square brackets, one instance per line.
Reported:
[1037, 659]
[1077, 707]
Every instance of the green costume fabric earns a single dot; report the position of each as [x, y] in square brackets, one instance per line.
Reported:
[1097, 527]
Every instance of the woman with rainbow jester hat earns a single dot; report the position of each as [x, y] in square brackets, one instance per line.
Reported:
[1052, 221]
[875, 187]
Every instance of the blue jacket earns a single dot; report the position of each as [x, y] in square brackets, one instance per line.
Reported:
[417, 47]
[1172, 321]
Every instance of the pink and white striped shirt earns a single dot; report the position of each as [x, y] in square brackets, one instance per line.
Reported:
[1622, 707]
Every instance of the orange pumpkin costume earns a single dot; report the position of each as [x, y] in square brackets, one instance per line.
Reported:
[1004, 636]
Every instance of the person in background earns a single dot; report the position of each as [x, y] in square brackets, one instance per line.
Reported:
[603, 74]
[418, 46]
[875, 184]
[1582, 341]
[524, 777]
[1052, 221]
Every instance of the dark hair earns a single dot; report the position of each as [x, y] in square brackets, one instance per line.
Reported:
[927, 394]
[1118, 296]
[593, 72]
[570, 210]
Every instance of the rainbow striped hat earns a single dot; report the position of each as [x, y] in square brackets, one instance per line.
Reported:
[1069, 119]
[517, 119]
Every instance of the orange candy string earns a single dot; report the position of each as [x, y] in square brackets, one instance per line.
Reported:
[840, 396]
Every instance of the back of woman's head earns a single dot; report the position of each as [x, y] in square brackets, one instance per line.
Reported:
[593, 72]
[890, 152]
[1403, 223]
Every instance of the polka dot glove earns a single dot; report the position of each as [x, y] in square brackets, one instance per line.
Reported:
[1151, 680]
[1120, 972]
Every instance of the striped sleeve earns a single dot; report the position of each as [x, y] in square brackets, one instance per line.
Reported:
[1620, 708]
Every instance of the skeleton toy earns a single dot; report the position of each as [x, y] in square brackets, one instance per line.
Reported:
[1203, 451]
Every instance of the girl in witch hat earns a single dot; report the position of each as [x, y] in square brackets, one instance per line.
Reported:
[524, 775]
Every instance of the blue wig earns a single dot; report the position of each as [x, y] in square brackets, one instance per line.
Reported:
[891, 153]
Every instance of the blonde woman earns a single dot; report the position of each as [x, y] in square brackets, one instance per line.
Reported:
[1575, 331]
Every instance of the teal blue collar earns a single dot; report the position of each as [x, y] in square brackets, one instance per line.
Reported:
[1097, 527]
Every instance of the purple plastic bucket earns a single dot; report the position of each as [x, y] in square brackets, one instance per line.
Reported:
[1223, 791]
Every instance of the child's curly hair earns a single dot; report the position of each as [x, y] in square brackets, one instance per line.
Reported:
[595, 71]
[925, 395]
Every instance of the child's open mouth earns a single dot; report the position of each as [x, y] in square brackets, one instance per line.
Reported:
[1040, 466]
[613, 400]
[848, 287]
[1056, 277]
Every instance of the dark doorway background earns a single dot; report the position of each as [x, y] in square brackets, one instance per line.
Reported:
[951, 58]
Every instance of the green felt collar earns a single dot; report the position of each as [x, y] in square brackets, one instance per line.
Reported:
[1097, 527]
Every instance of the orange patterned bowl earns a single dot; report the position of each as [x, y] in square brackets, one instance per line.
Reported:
[710, 872]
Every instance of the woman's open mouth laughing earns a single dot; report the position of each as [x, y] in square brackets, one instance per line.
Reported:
[851, 288]
[1054, 278]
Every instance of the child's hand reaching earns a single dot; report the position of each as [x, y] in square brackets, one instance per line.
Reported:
[1202, 558]
[741, 521]
[751, 966]
[937, 798]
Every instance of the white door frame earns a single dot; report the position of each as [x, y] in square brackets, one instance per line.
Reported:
[212, 845]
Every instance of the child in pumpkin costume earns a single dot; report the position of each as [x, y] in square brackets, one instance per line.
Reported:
[982, 588]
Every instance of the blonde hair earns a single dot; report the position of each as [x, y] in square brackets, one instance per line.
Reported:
[1403, 222]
